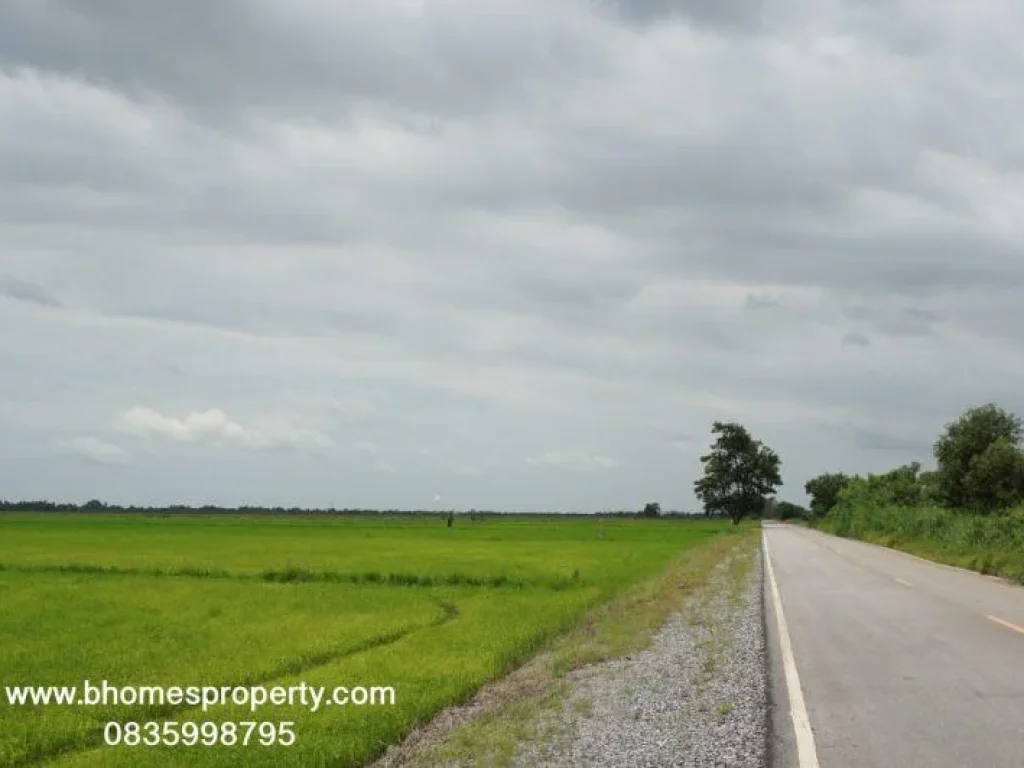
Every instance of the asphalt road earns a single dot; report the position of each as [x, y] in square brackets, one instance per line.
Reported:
[900, 662]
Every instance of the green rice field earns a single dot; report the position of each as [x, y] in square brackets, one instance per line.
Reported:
[403, 602]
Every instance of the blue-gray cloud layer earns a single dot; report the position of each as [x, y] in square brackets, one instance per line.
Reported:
[521, 257]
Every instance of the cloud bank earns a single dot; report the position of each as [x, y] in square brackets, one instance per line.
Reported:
[241, 243]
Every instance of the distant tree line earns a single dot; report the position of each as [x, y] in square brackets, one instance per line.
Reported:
[967, 511]
[97, 506]
[979, 470]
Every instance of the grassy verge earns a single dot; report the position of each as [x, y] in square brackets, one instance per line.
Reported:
[992, 544]
[702, 611]
[490, 728]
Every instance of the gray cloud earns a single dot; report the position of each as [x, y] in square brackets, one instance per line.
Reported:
[757, 302]
[894, 320]
[914, 448]
[573, 461]
[24, 290]
[91, 449]
[856, 339]
[327, 248]
[741, 15]
[297, 59]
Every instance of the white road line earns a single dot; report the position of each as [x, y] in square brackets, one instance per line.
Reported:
[904, 583]
[807, 755]
[1005, 623]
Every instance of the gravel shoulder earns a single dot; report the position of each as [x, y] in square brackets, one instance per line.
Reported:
[671, 674]
[696, 697]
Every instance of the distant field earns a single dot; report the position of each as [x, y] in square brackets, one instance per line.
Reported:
[403, 602]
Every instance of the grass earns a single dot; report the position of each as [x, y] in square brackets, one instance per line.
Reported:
[584, 707]
[991, 544]
[407, 550]
[718, 640]
[434, 612]
[60, 630]
[722, 711]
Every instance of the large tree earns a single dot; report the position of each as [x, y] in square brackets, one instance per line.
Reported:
[740, 473]
[824, 491]
[976, 452]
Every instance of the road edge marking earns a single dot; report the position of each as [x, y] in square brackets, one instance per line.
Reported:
[807, 754]
[904, 582]
[1005, 623]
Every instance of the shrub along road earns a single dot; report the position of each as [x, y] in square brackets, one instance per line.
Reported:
[900, 662]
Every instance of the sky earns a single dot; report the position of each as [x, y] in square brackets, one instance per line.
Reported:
[512, 255]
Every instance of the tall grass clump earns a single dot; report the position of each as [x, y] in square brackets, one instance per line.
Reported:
[992, 543]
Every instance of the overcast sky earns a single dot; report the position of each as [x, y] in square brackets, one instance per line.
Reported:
[517, 254]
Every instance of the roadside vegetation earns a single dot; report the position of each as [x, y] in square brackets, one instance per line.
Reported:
[968, 511]
[434, 611]
[522, 708]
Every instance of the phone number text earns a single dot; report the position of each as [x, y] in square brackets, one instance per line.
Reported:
[192, 734]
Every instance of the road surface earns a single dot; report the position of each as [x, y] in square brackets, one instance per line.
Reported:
[900, 662]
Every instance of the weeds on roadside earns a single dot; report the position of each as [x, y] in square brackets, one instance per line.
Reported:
[992, 544]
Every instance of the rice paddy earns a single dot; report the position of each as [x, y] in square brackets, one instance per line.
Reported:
[401, 602]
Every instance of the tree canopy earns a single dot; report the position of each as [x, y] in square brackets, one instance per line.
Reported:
[824, 491]
[651, 509]
[980, 464]
[740, 473]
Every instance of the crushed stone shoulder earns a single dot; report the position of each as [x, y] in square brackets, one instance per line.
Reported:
[695, 697]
